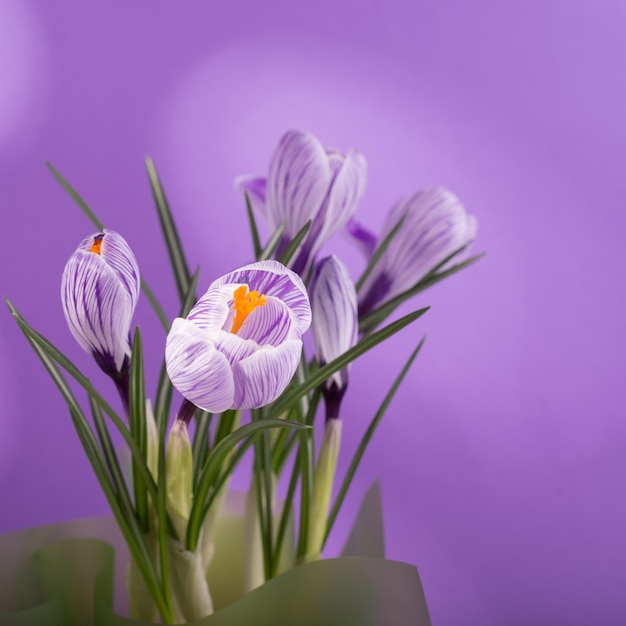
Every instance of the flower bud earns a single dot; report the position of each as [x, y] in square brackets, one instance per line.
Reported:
[436, 225]
[179, 477]
[334, 323]
[99, 293]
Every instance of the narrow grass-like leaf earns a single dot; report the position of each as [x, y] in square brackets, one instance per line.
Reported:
[132, 535]
[172, 240]
[367, 436]
[324, 372]
[56, 355]
[158, 309]
[200, 447]
[97, 222]
[272, 244]
[282, 454]
[379, 252]
[286, 513]
[306, 458]
[254, 231]
[231, 463]
[211, 470]
[291, 248]
[136, 544]
[262, 512]
[138, 429]
[76, 197]
[368, 322]
[112, 461]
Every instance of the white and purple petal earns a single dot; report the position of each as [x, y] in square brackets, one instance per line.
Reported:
[262, 377]
[298, 181]
[345, 193]
[200, 372]
[335, 316]
[256, 188]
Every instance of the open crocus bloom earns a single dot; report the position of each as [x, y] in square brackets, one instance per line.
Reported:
[307, 182]
[241, 343]
[99, 292]
[436, 225]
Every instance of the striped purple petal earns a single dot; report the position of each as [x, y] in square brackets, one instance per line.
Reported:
[197, 368]
[256, 188]
[99, 293]
[218, 364]
[262, 377]
[297, 182]
[436, 226]
[346, 192]
[363, 238]
[334, 307]
[274, 280]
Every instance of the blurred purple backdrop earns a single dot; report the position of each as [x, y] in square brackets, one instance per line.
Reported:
[503, 459]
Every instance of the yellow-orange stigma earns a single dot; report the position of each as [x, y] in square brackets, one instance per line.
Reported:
[97, 244]
[244, 303]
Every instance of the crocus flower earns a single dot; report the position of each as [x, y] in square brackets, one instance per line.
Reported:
[241, 343]
[307, 182]
[435, 226]
[335, 323]
[99, 292]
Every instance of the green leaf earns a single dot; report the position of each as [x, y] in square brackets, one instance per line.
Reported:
[36, 339]
[368, 322]
[138, 428]
[379, 252]
[254, 231]
[76, 197]
[131, 533]
[324, 372]
[158, 309]
[272, 244]
[112, 461]
[201, 441]
[306, 457]
[291, 248]
[211, 470]
[367, 436]
[172, 240]
[367, 537]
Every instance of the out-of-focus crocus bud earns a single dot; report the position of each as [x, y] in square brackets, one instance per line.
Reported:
[334, 324]
[307, 182]
[99, 292]
[436, 225]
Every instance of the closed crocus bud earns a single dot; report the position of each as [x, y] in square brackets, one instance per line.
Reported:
[241, 343]
[99, 292]
[334, 324]
[436, 225]
[307, 182]
[179, 477]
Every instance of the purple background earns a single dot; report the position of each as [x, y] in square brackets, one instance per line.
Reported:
[502, 460]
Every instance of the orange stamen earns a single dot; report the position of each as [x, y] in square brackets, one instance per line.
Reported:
[243, 304]
[97, 244]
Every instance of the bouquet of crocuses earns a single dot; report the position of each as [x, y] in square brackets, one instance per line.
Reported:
[236, 356]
